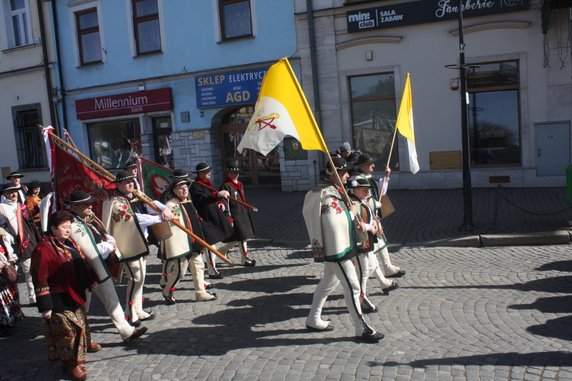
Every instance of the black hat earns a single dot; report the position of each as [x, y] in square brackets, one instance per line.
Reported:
[339, 163]
[123, 175]
[179, 174]
[233, 167]
[14, 174]
[178, 182]
[80, 197]
[131, 163]
[364, 158]
[202, 167]
[356, 182]
[10, 187]
[34, 184]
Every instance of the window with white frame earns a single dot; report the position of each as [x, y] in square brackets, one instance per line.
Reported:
[18, 24]
[88, 37]
[146, 26]
[235, 19]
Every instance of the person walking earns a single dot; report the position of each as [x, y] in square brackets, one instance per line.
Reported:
[100, 251]
[10, 311]
[331, 229]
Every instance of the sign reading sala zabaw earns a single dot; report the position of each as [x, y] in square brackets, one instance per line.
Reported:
[425, 11]
[122, 104]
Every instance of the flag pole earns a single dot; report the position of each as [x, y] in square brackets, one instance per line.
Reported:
[144, 198]
[392, 144]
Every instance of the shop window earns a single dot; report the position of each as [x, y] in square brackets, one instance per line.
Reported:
[494, 120]
[17, 22]
[373, 116]
[235, 19]
[113, 143]
[146, 27]
[88, 36]
[29, 142]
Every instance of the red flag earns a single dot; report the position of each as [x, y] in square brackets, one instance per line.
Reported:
[70, 175]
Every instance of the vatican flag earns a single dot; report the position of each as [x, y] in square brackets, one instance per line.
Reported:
[405, 125]
[281, 110]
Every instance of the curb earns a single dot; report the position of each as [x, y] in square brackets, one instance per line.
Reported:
[557, 237]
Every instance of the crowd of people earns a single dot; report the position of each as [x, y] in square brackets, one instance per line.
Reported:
[80, 253]
[192, 224]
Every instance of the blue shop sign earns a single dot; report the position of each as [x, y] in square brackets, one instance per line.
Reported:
[231, 88]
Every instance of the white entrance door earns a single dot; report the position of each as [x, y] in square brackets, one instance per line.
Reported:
[552, 148]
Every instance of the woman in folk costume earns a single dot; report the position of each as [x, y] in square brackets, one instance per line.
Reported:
[366, 166]
[10, 311]
[126, 218]
[100, 251]
[239, 216]
[210, 205]
[61, 277]
[181, 250]
[331, 229]
[14, 217]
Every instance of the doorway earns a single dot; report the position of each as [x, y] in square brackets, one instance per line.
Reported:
[552, 148]
[255, 168]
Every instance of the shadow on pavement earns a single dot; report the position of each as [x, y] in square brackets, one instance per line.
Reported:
[540, 359]
[556, 266]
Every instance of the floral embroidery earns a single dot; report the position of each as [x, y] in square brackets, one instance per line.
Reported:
[121, 211]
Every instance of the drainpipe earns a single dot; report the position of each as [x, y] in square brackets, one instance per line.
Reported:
[59, 65]
[46, 63]
[313, 60]
[315, 81]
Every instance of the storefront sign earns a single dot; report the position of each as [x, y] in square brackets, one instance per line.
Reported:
[124, 104]
[229, 88]
[424, 11]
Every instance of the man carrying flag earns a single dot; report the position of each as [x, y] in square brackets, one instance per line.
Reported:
[282, 109]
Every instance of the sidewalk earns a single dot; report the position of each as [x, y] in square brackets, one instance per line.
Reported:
[501, 216]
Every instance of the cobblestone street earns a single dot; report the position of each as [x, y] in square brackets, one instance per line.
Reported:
[460, 313]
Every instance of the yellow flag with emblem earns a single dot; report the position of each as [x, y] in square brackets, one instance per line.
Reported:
[281, 110]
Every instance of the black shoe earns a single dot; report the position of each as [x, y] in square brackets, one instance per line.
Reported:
[329, 327]
[150, 317]
[169, 299]
[397, 275]
[216, 276]
[393, 286]
[367, 308]
[249, 262]
[136, 334]
[370, 337]
[135, 324]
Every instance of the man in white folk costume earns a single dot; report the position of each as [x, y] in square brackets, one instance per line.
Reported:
[181, 250]
[330, 226]
[100, 252]
[127, 218]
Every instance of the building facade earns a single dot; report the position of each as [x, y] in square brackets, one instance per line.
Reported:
[519, 86]
[25, 100]
[174, 80]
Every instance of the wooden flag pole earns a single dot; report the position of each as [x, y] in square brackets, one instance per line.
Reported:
[109, 176]
[254, 209]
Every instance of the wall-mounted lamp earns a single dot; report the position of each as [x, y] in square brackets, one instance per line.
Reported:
[454, 83]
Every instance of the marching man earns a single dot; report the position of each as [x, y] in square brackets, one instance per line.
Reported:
[331, 229]
[127, 219]
[100, 250]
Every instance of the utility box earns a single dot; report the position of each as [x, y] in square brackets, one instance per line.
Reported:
[569, 184]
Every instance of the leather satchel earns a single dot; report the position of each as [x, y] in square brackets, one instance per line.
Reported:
[10, 272]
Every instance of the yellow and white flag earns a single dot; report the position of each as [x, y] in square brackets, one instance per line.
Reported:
[405, 125]
[281, 110]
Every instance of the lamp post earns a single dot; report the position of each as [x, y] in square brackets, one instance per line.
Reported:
[466, 148]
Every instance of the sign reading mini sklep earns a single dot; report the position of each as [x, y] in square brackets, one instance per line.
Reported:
[424, 11]
[229, 88]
